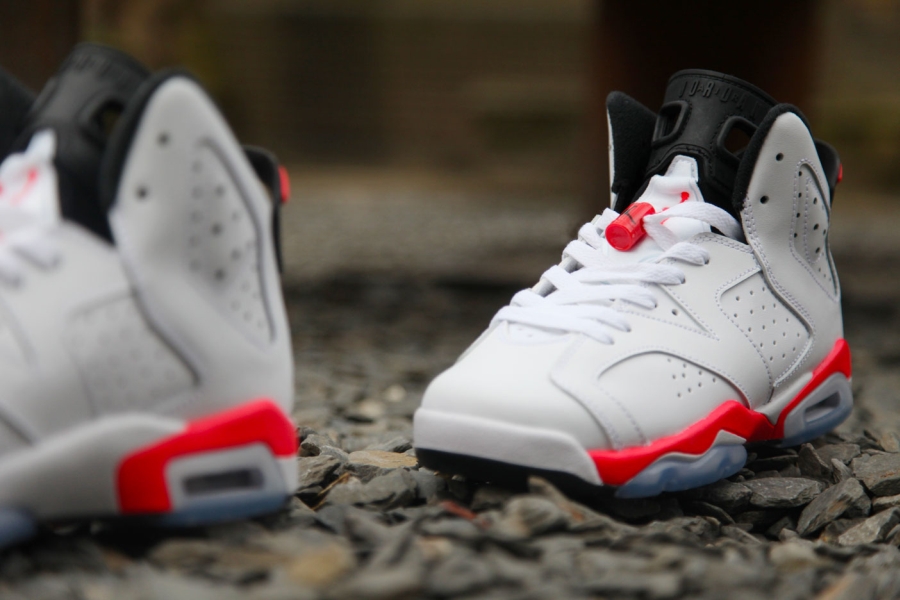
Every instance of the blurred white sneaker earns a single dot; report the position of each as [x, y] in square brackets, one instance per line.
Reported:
[152, 375]
[703, 315]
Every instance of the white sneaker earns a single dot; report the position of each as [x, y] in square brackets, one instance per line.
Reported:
[153, 375]
[705, 316]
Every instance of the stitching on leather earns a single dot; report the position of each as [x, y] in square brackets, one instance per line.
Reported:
[720, 292]
[600, 416]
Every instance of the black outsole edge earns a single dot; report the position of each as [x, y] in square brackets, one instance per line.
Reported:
[509, 475]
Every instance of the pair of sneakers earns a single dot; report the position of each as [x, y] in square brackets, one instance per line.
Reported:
[146, 361]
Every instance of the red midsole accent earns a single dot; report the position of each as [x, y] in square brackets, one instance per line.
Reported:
[141, 477]
[617, 467]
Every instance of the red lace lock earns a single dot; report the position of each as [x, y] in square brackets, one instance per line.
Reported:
[627, 229]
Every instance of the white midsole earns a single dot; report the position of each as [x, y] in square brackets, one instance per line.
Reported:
[532, 447]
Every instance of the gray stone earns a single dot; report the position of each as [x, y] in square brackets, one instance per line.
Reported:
[393, 490]
[428, 485]
[487, 497]
[580, 517]
[841, 471]
[316, 471]
[699, 507]
[395, 444]
[783, 492]
[728, 495]
[874, 529]
[458, 529]
[813, 465]
[367, 464]
[312, 444]
[843, 452]
[772, 463]
[885, 502]
[835, 529]
[739, 535]
[463, 572]
[784, 522]
[839, 499]
[336, 453]
[893, 537]
[889, 441]
[793, 556]
[646, 585]
[879, 472]
[526, 516]
[687, 529]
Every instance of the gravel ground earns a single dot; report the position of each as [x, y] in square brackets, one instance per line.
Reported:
[372, 324]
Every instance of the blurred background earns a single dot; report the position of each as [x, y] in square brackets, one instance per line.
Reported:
[445, 145]
[473, 131]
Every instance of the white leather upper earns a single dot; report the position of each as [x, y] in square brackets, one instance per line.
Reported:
[163, 322]
[751, 323]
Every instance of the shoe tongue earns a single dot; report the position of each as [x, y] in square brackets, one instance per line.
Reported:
[710, 117]
[81, 104]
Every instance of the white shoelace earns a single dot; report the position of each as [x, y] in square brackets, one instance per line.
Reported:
[29, 210]
[578, 294]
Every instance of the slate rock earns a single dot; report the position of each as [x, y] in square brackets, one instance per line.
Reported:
[312, 444]
[846, 497]
[728, 495]
[367, 464]
[889, 441]
[526, 516]
[393, 490]
[837, 528]
[629, 584]
[455, 528]
[463, 572]
[844, 452]
[840, 470]
[487, 497]
[879, 472]
[793, 556]
[885, 502]
[783, 492]
[428, 485]
[813, 465]
[395, 444]
[872, 530]
[316, 471]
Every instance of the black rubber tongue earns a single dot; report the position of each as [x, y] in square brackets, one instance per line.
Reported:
[710, 117]
[81, 104]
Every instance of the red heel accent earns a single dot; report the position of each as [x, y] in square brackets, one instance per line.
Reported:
[617, 467]
[141, 477]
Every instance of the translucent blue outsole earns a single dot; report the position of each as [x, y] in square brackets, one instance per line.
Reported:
[677, 474]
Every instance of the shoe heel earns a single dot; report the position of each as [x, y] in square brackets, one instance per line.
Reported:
[819, 412]
[234, 464]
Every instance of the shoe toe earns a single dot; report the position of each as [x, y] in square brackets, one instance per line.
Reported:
[507, 381]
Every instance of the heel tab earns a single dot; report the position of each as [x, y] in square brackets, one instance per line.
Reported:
[123, 134]
[751, 152]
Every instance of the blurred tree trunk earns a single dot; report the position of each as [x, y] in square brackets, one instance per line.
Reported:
[35, 35]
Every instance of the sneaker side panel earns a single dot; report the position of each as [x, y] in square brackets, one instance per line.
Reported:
[43, 389]
[786, 220]
[192, 224]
